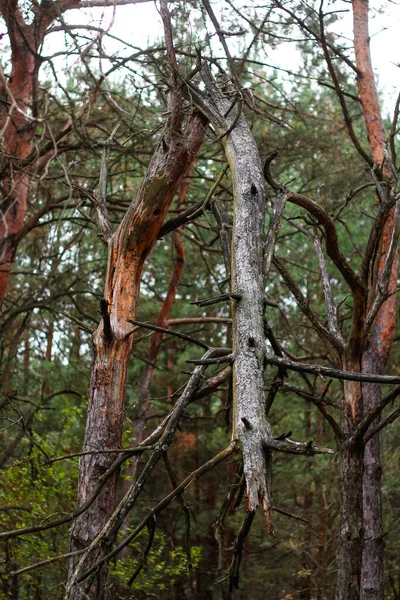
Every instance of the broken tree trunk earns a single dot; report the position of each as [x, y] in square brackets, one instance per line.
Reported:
[251, 430]
[250, 427]
[112, 341]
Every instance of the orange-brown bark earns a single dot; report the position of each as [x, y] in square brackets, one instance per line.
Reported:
[17, 126]
[143, 397]
[378, 344]
[18, 131]
[366, 82]
[112, 342]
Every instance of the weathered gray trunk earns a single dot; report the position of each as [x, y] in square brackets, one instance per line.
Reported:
[250, 427]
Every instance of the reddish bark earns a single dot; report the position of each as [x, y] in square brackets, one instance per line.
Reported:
[366, 82]
[112, 342]
[144, 398]
[378, 345]
[17, 126]
[17, 139]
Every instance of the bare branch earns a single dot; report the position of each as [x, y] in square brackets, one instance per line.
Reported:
[71, 4]
[220, 34]
[304, 304]
[363, 426]
[100, 194]
[389, 419]
[182, 336]
[189, 480]
[290, 447]
[331, 311]
[273, 229]
[330, 372]
[106, 537]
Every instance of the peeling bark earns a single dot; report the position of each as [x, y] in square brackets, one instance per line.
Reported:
[112, 342]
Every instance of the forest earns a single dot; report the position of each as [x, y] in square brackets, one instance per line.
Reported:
[199, 378]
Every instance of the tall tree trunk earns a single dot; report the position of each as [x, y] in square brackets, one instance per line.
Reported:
[17, 139]
[17, 126]
[112, 342]
[381, 336]
[250, 427]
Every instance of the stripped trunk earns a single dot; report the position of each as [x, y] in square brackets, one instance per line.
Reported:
[112, 342]
[250, 427]
[380, 339]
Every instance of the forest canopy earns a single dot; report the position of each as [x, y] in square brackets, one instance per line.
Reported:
[199, 371]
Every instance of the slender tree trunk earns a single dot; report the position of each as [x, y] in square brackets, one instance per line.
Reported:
[250, 427]
[18, 130]
[351, 472]
[381, 336]
[112, 342]
[17, 126]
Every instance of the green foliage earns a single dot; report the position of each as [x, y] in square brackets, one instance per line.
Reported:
[53, 305]
[166, 564]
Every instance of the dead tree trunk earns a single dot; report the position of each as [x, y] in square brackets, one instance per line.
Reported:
[250, 428]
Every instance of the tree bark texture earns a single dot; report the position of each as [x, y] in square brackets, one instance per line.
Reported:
[351, 473]
[379, 342]
[112, 341]
[250, 427]
[17, 127]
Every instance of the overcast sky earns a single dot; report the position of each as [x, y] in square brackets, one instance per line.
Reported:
[140, 24]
